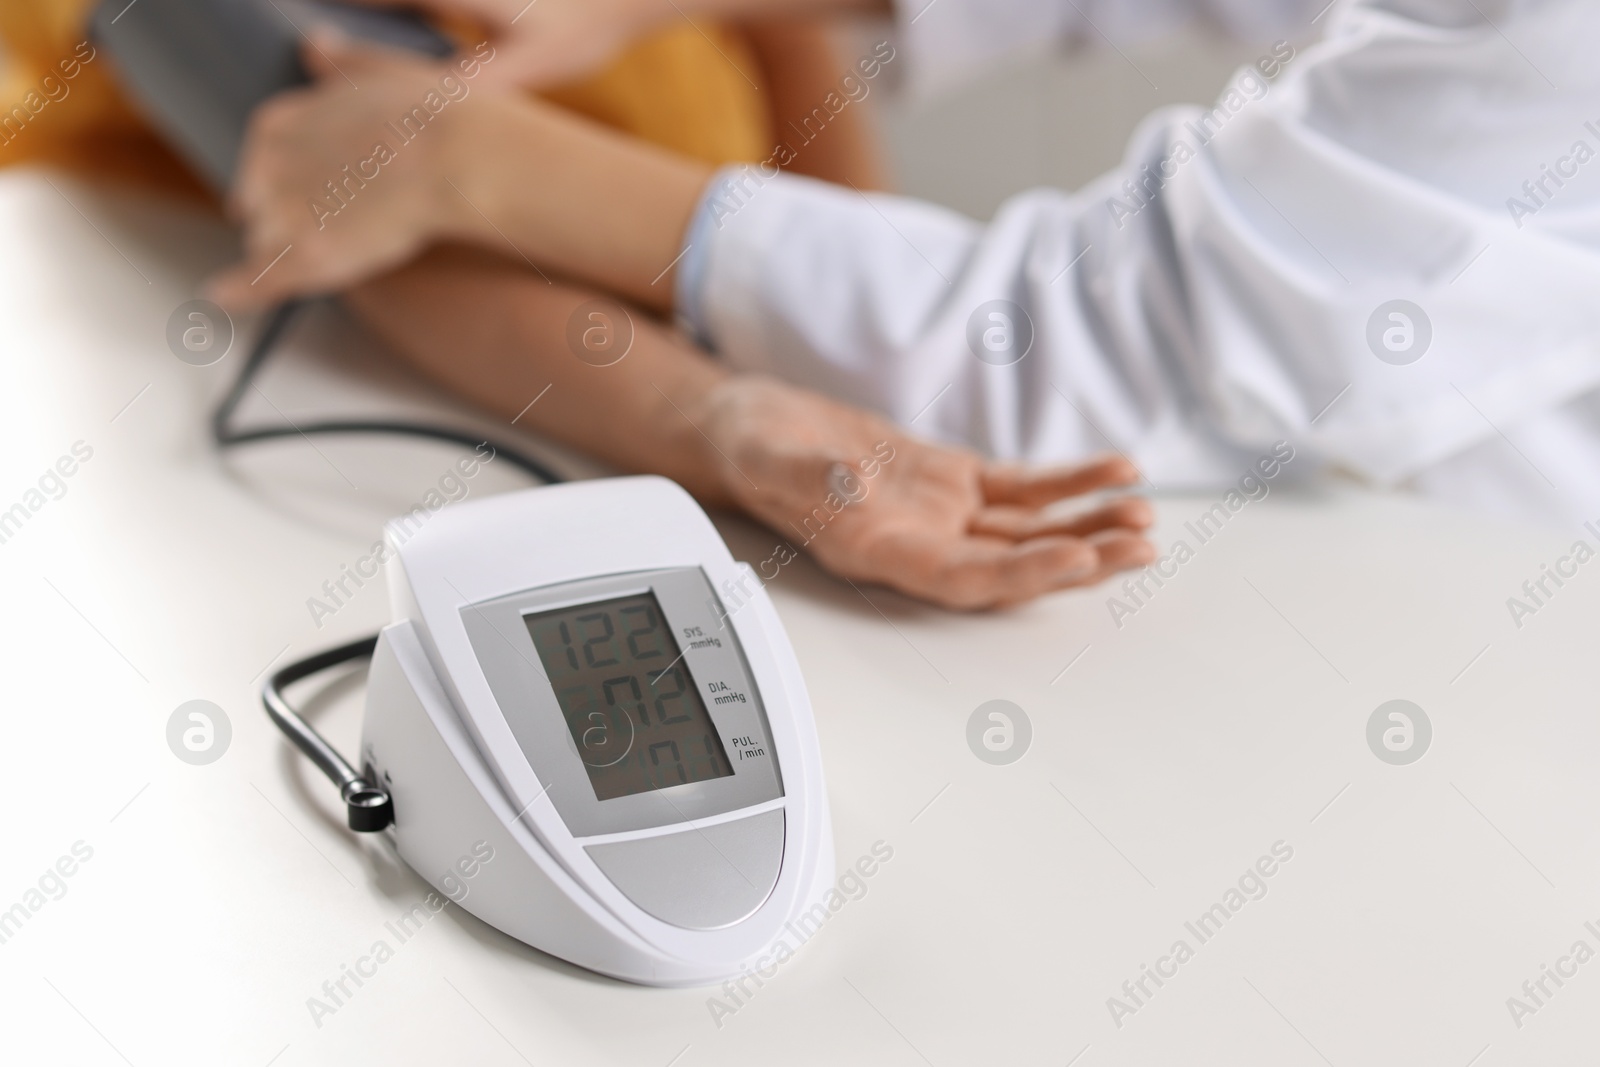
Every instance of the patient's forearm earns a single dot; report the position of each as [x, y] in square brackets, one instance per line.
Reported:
[496, 334]
[867, 500]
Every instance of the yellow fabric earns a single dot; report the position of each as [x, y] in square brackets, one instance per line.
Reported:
[680, 89]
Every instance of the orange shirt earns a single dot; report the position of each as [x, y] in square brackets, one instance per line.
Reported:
[679, 88]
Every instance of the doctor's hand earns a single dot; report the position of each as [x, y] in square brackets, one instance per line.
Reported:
[328, 191]
[874, 504]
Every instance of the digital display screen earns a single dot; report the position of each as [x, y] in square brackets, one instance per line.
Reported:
[637, 720]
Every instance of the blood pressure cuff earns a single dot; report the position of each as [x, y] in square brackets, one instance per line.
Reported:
[61, 101]
[198, 69]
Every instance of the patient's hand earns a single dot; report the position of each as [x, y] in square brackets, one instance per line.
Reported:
[934, 522]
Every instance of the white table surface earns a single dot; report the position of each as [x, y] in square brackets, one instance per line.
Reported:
[1227, 715]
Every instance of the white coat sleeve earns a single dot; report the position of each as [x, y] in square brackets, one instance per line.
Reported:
[1237, 280]
[948, 41]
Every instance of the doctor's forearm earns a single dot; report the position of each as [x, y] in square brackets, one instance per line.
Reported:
[578, 197]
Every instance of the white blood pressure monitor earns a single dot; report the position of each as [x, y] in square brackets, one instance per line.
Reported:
[563, 683]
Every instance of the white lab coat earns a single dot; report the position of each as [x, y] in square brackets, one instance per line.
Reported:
[1242, 302]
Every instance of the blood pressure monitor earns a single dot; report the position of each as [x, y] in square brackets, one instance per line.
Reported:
[567, 730]
[563, 689]
[564, 683]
